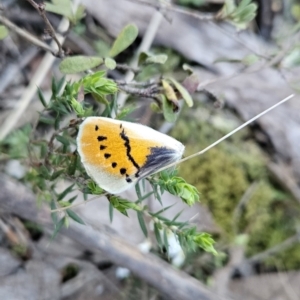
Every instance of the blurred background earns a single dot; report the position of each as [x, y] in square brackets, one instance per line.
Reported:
[248, 185]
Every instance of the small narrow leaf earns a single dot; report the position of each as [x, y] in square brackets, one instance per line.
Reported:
[144, 197]
[168, 112]
[41, 97]
[111, 212]
[54, 215]
[125, 38]
[74, 216]
[3, 32]
[110, 63]
[169, 91]
[44, 172]
[162, 210]
[61, 83]
[76, 64]
[142, 223]
[56, 174]
[58, 226]
[73, 164]
[46, 120]
[166, 242]
[138, 192]
[157, 59]
[65, 192]
[157, 235]
[62, 140]
[148, 58]
[184, 93]
[250, 59]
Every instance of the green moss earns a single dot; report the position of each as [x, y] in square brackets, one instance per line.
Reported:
[220, 182]
[223, 175]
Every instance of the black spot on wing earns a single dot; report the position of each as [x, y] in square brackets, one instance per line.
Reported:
[114, 164]
[101, 138]
[158, 158]
[107, 155]
[123, 171]
[96, 127]
[102, 147]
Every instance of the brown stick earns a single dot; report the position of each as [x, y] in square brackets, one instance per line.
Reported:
[174, 284]
[25, 34]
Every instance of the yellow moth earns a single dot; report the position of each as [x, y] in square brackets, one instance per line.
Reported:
[116, 154]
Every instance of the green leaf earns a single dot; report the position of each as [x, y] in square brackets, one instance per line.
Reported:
[62, 140]
[65, 192]
[138, 192]
[3, 32]
[177, 215]
[41, 97]
[46, 120]
[74, 216]
[94, 188]
[44, 172]
[64, 8]
[73, 165]
[162, 210]
[142, 223]
[228, 8]
[58, 226]
[111, 212]
[205, 241]
[157, 235]
[155, 107]
[125, 38]
[110, 63]
[169, 92]
[184, 93]
[168, 112]
[144, 197]
[125, 112]
[250, 59]
[166, 242]
[56, 174]
[60, 84]
[71, 200]
[244, 3]
[148, 58]
[76, 64]
[54, 215]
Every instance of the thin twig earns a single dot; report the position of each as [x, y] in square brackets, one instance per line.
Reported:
[124, 67]
[149, 83]
[148, 92]
[36, 80]
[26, 35]
[50, 30]
[78, 204]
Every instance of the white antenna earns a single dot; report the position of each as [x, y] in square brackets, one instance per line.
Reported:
[227, 135]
